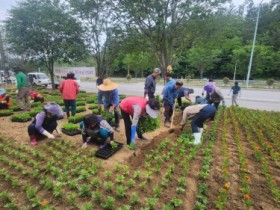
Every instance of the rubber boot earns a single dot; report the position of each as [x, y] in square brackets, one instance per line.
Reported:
[33, 139]
[197, 138]
[68, 114]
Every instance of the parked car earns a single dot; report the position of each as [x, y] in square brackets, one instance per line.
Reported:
[7, 78]
[38, 79]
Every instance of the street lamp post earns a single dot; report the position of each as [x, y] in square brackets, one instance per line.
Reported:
[253, 46]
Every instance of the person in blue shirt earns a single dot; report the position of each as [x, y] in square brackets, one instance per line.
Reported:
[200, 100]
[236, 90]
[169, 97]
[184, 92]
[108, 91]
[168, 81]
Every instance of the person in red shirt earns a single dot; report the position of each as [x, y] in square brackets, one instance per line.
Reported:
[36, 97]
[69, 89]
[4, 99]
[137, 107]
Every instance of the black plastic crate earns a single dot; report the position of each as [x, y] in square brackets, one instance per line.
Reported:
[71, 133]
[108, 151]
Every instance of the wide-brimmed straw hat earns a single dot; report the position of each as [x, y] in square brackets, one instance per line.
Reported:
[107, 85]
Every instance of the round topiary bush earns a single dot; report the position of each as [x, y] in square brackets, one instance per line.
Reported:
[226, 80]
[270, 82]
[128, 77]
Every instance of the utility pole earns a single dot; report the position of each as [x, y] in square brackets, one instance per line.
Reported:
[234, 72]
[253, 46]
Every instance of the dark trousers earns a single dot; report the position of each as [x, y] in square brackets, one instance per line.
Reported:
[216, 104]
[50, 127]
[68, 104]
[116, 114]
[208, 112]
[151, 95]
[179, 100]
[168, 110]
[127, 124]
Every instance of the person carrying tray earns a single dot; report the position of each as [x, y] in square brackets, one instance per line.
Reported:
[109, 91]
[45, 123]
[137, 107]
[95, 128]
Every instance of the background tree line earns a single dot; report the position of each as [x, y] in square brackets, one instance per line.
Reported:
[199, 38]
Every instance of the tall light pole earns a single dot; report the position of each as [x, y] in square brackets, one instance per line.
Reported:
[253, 46]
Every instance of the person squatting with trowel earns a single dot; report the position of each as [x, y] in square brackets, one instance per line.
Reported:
[199, 114]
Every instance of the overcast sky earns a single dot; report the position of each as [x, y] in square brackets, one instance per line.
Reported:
[5, 5]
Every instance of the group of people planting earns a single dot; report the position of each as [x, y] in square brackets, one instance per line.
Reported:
[95, 128]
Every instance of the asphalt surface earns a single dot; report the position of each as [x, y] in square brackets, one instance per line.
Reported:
[250, 98]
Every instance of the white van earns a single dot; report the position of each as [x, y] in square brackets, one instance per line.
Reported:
[38, 79]
[8, 78]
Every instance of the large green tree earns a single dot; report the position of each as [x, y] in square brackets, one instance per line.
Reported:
[163, 22]
[42, 31]
[97, 17]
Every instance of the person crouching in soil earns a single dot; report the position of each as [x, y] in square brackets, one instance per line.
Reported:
[45, 123]
[137, 107]
[200, 113]
[96, 129]
[36, 97]
[4, 99]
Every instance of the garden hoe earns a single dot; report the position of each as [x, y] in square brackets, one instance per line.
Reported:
[171, 130]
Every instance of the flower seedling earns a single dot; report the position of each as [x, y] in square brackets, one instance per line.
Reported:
[108, 203]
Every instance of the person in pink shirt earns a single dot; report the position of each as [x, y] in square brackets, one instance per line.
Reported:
[69, 89]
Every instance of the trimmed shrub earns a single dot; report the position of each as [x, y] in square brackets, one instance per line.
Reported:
[270, 82]
[226, 80]
[24, 117]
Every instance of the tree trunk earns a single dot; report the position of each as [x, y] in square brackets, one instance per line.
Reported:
[52, 74]
[201, 73]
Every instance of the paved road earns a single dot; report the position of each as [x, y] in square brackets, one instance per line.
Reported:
[255, 99]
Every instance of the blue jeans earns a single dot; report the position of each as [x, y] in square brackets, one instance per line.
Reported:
[207, 112]
[67, 104]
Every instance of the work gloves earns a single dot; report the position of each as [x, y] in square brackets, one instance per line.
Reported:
[147, 97]
[133, 133]
[49, 135]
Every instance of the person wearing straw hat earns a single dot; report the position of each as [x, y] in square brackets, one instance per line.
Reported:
[4, 99]
[109, 91]
[45, 123]
[137, 107]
